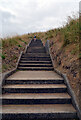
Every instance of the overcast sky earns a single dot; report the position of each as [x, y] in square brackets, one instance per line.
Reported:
[25, 16]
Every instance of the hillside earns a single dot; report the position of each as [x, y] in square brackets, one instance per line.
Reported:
[64, 46]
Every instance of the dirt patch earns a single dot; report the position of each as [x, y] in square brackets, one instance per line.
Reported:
[11, 50]
[66, 61]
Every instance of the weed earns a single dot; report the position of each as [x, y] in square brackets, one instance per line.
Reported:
[66, 42]
[9, 42]
[25, 43]
[20, 39]
[19, 45]
[30, 37]
[50, 36]
[14, 57]
[2, 56]
[80, 56]
[73, 51]
[4, 66]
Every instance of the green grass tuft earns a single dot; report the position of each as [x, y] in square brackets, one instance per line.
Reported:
[2, 56]
[19, 45]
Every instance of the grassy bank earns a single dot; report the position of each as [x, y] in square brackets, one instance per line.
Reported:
[11, 48]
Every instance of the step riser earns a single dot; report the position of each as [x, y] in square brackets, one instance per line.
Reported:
[34, 81]
[37, 116]
[36, 48]
[36, 51]
[35, 69]
[35, 66]
[34, 90]
[35, 101]
[36, 59]
[36, 42]
[42, 56]
[37, 62]
[36, 45]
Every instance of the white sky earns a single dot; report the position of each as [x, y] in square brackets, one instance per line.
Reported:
[25, 16]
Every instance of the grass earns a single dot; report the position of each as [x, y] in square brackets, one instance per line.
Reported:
[13, 41]
[69, 33]
[14, 57]
[4, 66]
[2, 56]
[19, 45]
[80, 56]
[11, 48]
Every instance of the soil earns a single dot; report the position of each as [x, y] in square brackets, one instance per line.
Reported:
[67, 63]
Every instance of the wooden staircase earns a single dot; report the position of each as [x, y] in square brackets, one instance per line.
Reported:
[35, 91]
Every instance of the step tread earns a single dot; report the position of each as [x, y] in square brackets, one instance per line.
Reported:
[39, 79]
[35, 75]
[35, 56]
[37, 67]
[35, 86]
[36, 61]
[37, 47]
[36, 96]
[34, 64]
[43, 108]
